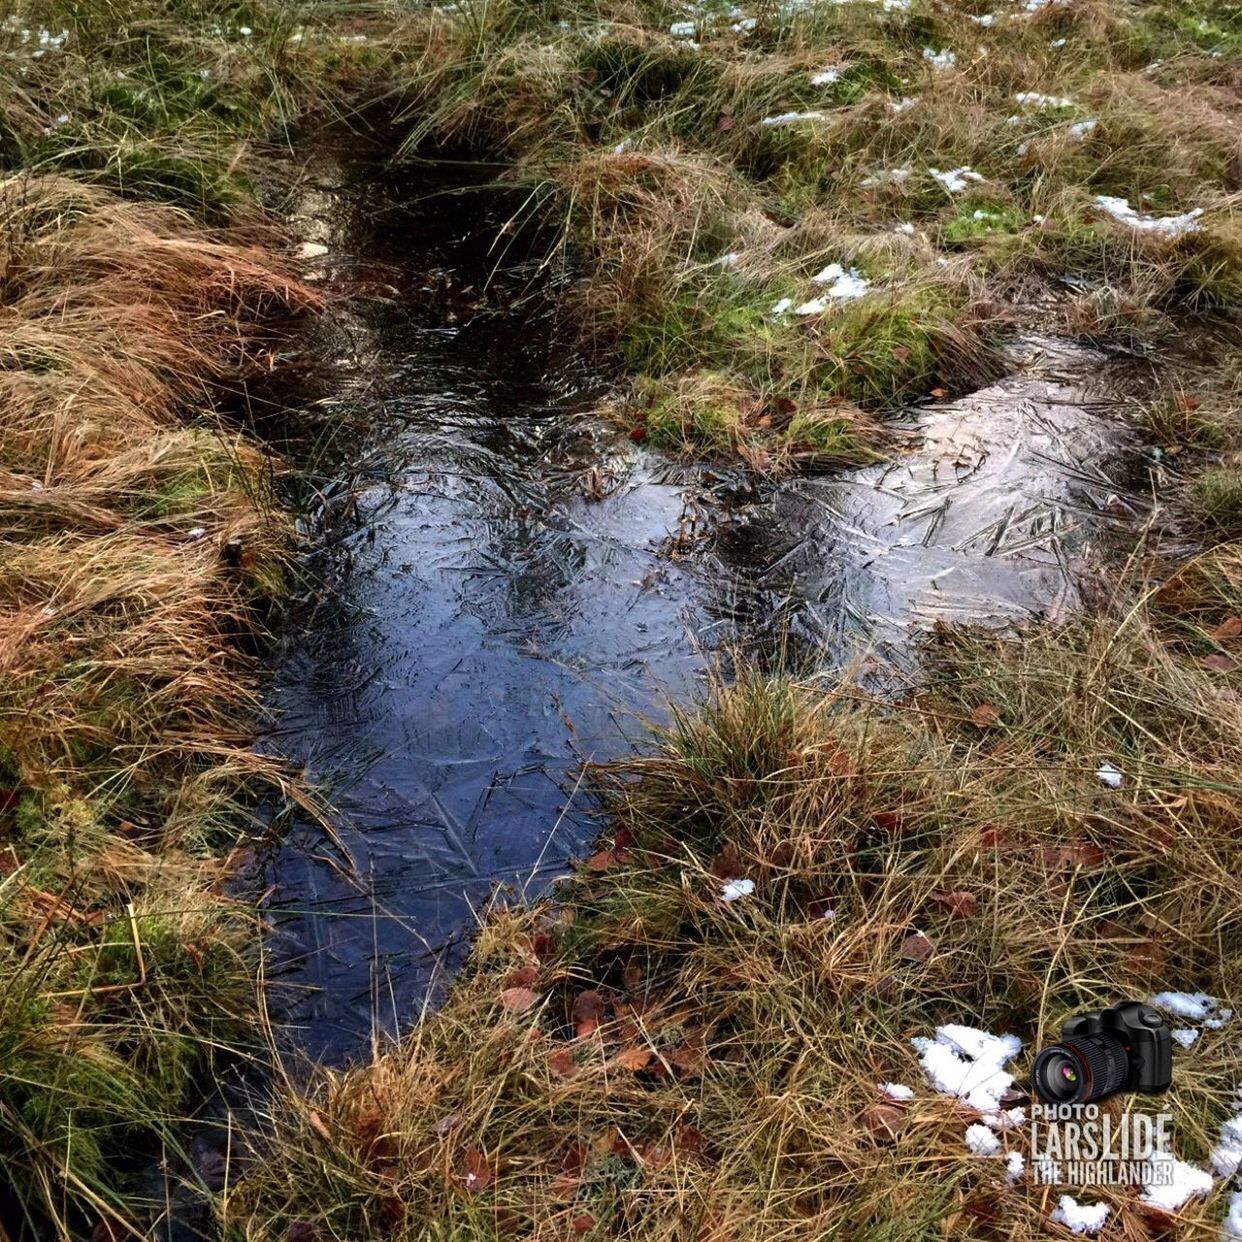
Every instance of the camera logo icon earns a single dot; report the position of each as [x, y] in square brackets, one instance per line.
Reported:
[1126, 1047]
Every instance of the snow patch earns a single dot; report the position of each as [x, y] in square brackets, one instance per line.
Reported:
[825, 77]
[1083, 1218]
[944, 59]
[969, 1064]
[1166, 226]
[896, 1090]
[731, 890]
[1184, 1182]
[954, 180]
[1194, 1006]
[904, 104]
[1185, 1036]
[1108, 775]
[843, 286]
[981, 1140]
[1033, 99]
[1231, 1226]
[789, 118]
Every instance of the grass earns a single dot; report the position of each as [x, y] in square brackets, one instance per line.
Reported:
[641, 127]
[636, 1057]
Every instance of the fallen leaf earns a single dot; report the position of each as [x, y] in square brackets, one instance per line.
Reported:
[522, 977]
[985, 716]
[561, 1063]
[517, 999]
[917, 947]
[724, 124]
[638, 434]
[632, 977]
[959, 903]
[1187, 402]
[446, 1125]
[884, 1120]
[901, 352]
[601, 860]
[1218, 662]
[939, 392]
[583, 1224]
[476, 1175]
[318, 1124]
[634, 1059]
[1230, 627]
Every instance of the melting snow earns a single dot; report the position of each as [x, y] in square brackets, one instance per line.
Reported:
[788, 118]
[1226, 1156]
[904, 104]
[1033, 99]
[1087, 1218]
[745, 26]
[1185, 1036]
[907, 228]
[982, 1141]
[843, 286]
[954, 180]
[1231, 1226]
[944, 59]
[1008, 1119]
[825, 77]
[897, 1090]
[1080, 129]
[969, 1064]
[1192, 1005]
[782, 306]
[985, 19]
[682, 30]
[731, 890]
[1186, 1182]
[1109, 775]
[1015, 1165]
[894, 176]
[1168, 226]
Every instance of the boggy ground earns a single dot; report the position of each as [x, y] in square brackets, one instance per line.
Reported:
[638, 1057]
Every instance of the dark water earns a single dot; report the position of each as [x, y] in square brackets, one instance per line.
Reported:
[480, 622]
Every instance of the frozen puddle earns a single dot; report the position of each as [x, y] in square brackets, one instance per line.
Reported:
[495, 598]
[991, 514]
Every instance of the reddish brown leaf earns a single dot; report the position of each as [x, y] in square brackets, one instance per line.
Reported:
[632, 976]
[727, 863]
[959, 903]
[318, 1124]
[1230, 627]
[446, 1125]
[889, 821]
[901, 352]
[690, 1140]
[1187, 402]
[724, 124]
[476, 1175]
[634, 1059]
[638, 434]
[884, 1120]
[1218, 662]
[985, 716]
[583, 1224]
[561, 1063]
[990, 836]
[1072, 855]
[588, 1004]
[938, 393]
[601, 860]
[522, 977]
[517, 999]
[588, 1026]
[917, 947]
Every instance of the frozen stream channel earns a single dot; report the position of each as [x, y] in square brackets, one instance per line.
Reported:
[480, 624]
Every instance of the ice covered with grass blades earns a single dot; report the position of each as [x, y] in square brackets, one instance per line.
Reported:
[792, 118]
[1033, 99]
[1082, 1218]
[1166, 226]
[943, 59]
[968, 1063]
[1226, 1156]
[1231, 1226]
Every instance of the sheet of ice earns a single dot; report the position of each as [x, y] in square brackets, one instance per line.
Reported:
[954, 180]
[1083, 1218]
[943, 59]
[732, 890]
[1166, 226]
[1186, 1181]
[969, 1064]
[1185, 1036]
[981, 1140]
[790, 118]
[896, 1090]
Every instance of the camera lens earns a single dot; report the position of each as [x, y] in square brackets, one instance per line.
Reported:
[1080, 1069]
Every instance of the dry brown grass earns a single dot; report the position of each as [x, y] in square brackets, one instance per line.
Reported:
[639, 1059]
[140, 540]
